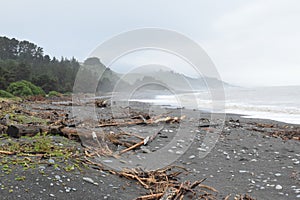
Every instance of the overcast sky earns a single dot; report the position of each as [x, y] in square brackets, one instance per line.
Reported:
[251, 42]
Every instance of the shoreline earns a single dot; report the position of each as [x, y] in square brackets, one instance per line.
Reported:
[248, 158]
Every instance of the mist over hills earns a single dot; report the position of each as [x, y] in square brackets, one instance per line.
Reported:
[23, 60]
[179, 82]
[151, 78]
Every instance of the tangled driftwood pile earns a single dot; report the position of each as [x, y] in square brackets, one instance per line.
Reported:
[163, 184]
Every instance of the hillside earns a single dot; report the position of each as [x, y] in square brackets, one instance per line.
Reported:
[177, 81]
[94, 74]
[23, 60]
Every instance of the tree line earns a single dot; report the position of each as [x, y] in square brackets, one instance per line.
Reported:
[23, 60]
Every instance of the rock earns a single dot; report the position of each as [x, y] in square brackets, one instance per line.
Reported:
[278, 187]
[42, 167]
[145, 150]
[170, 151]
[277, 174]
[201, 149]
[179, 152]
[51, 161]
[89, 180]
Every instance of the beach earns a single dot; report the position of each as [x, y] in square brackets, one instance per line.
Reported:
[258, 157]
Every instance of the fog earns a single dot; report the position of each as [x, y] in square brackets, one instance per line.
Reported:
[252, 43]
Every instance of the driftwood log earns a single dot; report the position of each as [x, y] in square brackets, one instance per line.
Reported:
[19, 130]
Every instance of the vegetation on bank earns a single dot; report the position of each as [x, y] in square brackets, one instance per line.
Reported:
[25, 89]
[23, 60]
[5, 94]
[54, 94]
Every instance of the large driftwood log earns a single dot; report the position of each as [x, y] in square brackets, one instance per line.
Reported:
[19, 130]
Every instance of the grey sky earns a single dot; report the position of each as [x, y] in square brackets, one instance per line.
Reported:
[251, 42]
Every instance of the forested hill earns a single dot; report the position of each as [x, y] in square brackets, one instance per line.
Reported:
[23, 60]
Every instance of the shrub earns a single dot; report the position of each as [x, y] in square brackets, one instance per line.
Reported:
[5, 94]
[54, 94]
[19, 89]
[68, 94]
[24, 88]
[35, 89]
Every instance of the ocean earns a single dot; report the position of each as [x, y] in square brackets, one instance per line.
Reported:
[275, 103]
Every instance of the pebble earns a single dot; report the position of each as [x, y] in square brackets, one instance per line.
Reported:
[89, 180]
[145, 150]
[42, 167]
[201, 149]
[51, 195]
[51, 161]
[192, 157]
[298, 196]
[107, 161]
[278, 187]
[179, 152]
[57, 177]
[277, 174]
